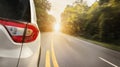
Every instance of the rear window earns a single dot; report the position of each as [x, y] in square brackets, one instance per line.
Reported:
[15, 10]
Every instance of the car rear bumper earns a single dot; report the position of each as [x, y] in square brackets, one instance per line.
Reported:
[24, 62]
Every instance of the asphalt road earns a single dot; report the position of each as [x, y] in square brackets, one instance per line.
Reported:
[60, 50]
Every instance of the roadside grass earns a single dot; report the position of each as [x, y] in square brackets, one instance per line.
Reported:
[110, 46]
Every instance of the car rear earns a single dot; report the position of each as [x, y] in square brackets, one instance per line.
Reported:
[19, 34]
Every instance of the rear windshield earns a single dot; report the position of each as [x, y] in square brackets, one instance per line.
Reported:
[15, 10]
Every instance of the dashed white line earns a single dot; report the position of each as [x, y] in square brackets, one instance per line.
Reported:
[108, 62]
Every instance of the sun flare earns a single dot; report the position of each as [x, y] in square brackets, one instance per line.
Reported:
[57, 27]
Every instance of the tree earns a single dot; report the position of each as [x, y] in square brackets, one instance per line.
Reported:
[72, 17]
[101, 2]
[100, 22]
[44, 20]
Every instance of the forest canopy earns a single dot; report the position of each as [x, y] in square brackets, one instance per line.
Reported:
[100, 21]
[45, 20]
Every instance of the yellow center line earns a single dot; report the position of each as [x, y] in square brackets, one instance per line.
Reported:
[53, 55]
[47, 64]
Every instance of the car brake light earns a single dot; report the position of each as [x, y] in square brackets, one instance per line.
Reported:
[16, 31]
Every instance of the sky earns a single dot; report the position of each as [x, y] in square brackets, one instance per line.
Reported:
[58, 6]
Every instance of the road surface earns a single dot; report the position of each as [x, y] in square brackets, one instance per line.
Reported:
[60, 50]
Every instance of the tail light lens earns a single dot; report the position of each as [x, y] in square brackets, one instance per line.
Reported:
[16, 31]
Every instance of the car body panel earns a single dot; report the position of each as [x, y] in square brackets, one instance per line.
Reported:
[21, 54]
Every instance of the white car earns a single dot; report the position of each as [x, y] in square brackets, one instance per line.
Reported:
[19, 34]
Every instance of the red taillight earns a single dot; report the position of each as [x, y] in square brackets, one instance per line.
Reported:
[16, 30]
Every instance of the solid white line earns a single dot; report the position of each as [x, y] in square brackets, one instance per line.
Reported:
[108, 62]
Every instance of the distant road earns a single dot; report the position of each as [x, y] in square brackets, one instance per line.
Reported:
[60, 50]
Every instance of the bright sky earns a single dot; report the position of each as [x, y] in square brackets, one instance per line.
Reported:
[57, 7]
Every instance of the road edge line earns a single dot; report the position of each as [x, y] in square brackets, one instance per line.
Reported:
[107, 62]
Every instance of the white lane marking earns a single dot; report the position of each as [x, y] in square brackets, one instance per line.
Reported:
[107, 62]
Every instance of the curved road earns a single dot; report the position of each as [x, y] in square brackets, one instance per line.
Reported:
[60, 50]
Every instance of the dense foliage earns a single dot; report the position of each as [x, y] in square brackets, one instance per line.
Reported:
[100, 22]
[45, 21]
